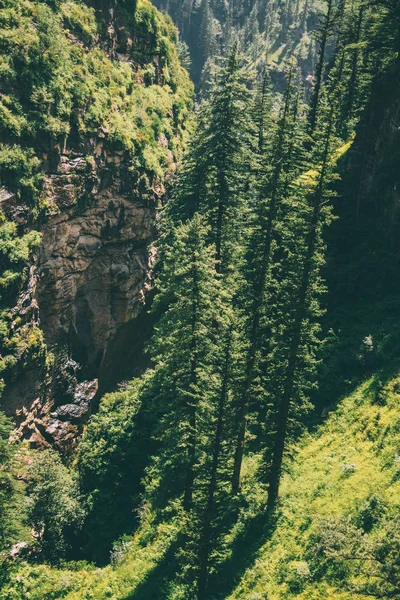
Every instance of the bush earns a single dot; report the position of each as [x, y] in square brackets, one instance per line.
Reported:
[55, 506]
[112, 457]
[10, 509]
[369, 513]
[298, 577]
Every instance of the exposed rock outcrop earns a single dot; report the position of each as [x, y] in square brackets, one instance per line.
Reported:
[89, 279]
[90, 178]
[93, 267]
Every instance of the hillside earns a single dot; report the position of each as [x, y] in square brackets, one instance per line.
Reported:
[200, 308]
[345, 475]
[269, 33]
[339, 502]
[93, 115]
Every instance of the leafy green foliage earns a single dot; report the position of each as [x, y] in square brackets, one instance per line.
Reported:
[9, 494]
[15, 251]
[111, 460]
[62, 90]
[55, 508]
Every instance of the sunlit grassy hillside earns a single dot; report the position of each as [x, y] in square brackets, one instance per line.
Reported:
[349, 467]
[344, 481]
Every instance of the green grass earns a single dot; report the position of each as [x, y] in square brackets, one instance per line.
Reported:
[348, 458]
[360, 433]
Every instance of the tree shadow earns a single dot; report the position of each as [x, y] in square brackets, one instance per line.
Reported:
[245, 549]
[243, 554]
[153, 586]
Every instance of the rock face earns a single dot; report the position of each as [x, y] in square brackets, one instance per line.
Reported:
[89, 281]
[92, 270]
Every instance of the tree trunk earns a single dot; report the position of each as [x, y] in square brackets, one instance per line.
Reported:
[320, 68]
[188, 495]
[354, 68]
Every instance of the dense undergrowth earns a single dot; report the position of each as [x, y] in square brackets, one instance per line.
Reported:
[343, 481]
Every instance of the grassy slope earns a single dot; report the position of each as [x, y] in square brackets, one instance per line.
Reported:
[359, 432]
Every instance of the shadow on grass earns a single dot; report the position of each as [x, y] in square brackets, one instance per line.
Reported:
[243, 555]
[152, 587]
[259, 530]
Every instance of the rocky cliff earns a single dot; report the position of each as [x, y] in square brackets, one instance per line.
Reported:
[90, 128]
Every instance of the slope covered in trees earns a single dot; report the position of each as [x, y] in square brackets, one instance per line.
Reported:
[226, 482]
[267, 32]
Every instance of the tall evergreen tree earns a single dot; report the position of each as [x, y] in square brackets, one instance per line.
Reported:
[259, 255]
[217, 474]
[183, 349]
[215, 170]
[298, 334]
[324, 34]
[227, 150]
[262, 113]
[207, 44]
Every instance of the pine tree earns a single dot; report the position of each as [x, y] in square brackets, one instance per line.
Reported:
[227, 149]
[305, 15]
[299, 333]
[207, 41]
[215, 170]
[353, 93]
[217, 469]
[262, 113]
[251, 28]
[195, 347]
[182, 347]
[324, 34]
[270, 24]
[259, 256]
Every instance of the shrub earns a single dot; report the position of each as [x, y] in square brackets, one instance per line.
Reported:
[55, 506]
[9, 508]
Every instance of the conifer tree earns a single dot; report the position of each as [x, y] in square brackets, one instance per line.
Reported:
[305, 15]
[213, 181]
[217, 471]
[262, 113]
[270, 23]
[353, 95]
[195, 349]
[215, 170]
[207, 41]
[259, 256]
[324, 34]
[183, 348]
[303, 306]
[227, 149]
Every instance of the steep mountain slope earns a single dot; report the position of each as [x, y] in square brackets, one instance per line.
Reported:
[363, 246]
[268, 32]
[346, 473]
[92, 116]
